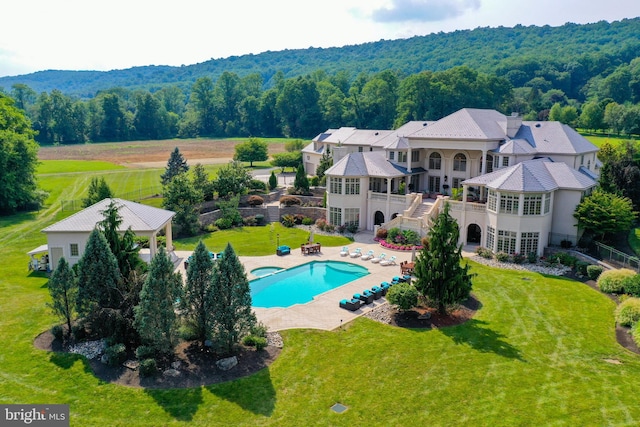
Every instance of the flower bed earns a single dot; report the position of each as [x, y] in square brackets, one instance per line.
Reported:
[397, 247]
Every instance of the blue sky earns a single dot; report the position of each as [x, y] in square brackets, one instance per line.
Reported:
[38, 35]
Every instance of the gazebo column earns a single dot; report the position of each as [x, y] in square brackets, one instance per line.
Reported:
[153, 245]
[169, 236]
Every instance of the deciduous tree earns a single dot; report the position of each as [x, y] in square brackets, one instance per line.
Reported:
[604, 213]
[232, 179]
[184, 199]
[440, 276]
[253, 150]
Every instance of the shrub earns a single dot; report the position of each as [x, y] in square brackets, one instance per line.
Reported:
[186, 331]
[518, 258]
[116, 354]
[610, 281]
[628, 312]
[255, 341]
[255, 200]
[382, 234]
[581, 267]
[352, 227]
[256, 184]
[211, 228]
[142, 241]
[403, 295]
[58, 332]
[566, 244]
[259, 219]
[307, 221]
[249, 221]
[323, 225]
[502, 256]
[631, 285]
[148, 367]
[290, 200]
[565, 259]
[259, 330]
[484, 252]
[315, 181]
[224, 223]
[298, 218]
[392, 235]
[288, 221]
[341, 228]
[594, 271]
[532, 257]
[635, 333]
[145, 352]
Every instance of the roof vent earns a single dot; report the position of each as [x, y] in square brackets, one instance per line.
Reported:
[538, 125]
[424, 124]
[376, 133]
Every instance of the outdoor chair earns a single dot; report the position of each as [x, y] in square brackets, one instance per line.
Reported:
[344, 251]
[390, 261]
[367, 256]
[378, 259]
[377, 292]
[367, 299]
[351, 305]
[356, 253]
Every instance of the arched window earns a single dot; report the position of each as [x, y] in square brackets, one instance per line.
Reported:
[435, 161]
[460, 162]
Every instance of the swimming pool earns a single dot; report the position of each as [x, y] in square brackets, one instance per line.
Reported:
[298, 285]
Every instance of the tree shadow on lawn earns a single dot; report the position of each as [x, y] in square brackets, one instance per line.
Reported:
[180, 403]
[476, 335]
[255, 393]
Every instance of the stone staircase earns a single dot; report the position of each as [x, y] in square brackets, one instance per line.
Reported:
[273, 213]
[421, 209]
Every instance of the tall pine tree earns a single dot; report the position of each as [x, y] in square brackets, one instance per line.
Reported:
[63, 288]
[155, 316]
[98, 276]
[175, 166]
[232, 317]
[440, 277]
[197, 294]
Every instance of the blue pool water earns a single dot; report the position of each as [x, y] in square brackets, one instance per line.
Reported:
[264, 271]
[298, 285]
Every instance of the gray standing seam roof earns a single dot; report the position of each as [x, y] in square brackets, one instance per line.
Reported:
[135, 215]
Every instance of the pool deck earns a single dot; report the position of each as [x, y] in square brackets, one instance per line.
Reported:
[323, 312]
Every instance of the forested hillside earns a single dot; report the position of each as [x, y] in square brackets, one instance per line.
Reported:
[583, 75]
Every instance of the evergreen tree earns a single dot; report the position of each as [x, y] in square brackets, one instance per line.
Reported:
[98, 276]
[184, 199]
[98, 190]
[232, 317]
[201, 181]
[122, 246]
[273, 181]
[197, 293]
[301, 182]
[176, 165]
[155, 316]
[440, 277]
[326, 161]
[63, 289]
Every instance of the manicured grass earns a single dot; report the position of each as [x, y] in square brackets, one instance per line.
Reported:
[598, 140]
[533, 355]
[70, 166]
[257, 241]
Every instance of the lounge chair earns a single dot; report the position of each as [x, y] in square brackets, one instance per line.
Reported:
[344, 251]
[351, 305]
[367, 299]
[378, 259]
[385, 287]
[367, 256]
[356, 253]
[390, 261]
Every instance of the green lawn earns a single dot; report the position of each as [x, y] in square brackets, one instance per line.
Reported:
[598, 140]
[535, 354]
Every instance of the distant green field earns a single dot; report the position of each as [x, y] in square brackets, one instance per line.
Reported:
[70, 166]
[598, 140]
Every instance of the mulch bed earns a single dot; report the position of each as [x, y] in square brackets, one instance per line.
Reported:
[197, 367]
[416, 318]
